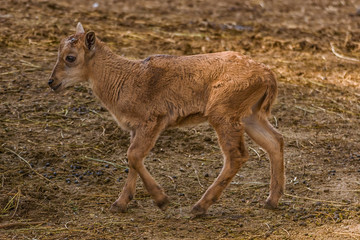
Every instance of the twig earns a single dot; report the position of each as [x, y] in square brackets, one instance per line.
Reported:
[29, 64]
[305, 110]
[28, 164]
[10, 72]
[342, 56]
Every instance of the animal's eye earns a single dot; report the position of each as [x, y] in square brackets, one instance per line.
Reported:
[70, 59]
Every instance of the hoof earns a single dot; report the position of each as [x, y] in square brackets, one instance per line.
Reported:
[198, 211]
[270, 205]
[116, 208]
[164, 203]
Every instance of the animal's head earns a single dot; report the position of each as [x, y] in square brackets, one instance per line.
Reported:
[74, 55]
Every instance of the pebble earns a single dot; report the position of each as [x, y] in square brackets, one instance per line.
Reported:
[303, 224]
[126, 170]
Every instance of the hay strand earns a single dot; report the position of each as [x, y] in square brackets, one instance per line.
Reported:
[342, 56]
[24, 160]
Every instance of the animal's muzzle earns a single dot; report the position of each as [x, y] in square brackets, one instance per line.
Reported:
[51, 81]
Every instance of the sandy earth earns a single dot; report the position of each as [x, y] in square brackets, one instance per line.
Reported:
[63, 159]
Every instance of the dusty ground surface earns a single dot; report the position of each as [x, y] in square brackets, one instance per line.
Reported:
[62, 157]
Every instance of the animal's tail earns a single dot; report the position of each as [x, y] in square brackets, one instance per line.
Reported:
[269, 97]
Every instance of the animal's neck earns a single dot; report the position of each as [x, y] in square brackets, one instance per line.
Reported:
[109, 72]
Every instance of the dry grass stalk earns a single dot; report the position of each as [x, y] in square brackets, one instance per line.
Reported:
[342, 56]
[9, 225]
[23, 159]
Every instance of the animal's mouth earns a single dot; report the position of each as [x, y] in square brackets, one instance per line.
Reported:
[56, 87]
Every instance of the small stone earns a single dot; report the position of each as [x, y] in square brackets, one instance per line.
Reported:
[206, 175]
[126, 170]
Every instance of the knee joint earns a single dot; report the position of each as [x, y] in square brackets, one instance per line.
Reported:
[134, 158]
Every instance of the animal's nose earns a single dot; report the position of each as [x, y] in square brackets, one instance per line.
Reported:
[50, 81]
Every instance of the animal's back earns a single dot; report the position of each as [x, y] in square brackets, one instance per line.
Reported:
[199, 84]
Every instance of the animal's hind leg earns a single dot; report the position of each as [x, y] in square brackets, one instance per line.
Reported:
[235, 154]
[264, 134]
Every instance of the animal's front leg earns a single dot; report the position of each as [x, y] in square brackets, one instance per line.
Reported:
[127, 194]
[143, 140]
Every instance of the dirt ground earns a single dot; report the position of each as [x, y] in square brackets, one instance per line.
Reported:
[63, 159]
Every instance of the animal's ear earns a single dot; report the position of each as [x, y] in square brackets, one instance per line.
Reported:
[79, 28]
[90, 40]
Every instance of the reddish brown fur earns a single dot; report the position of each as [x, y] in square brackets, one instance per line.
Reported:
[230, 91]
